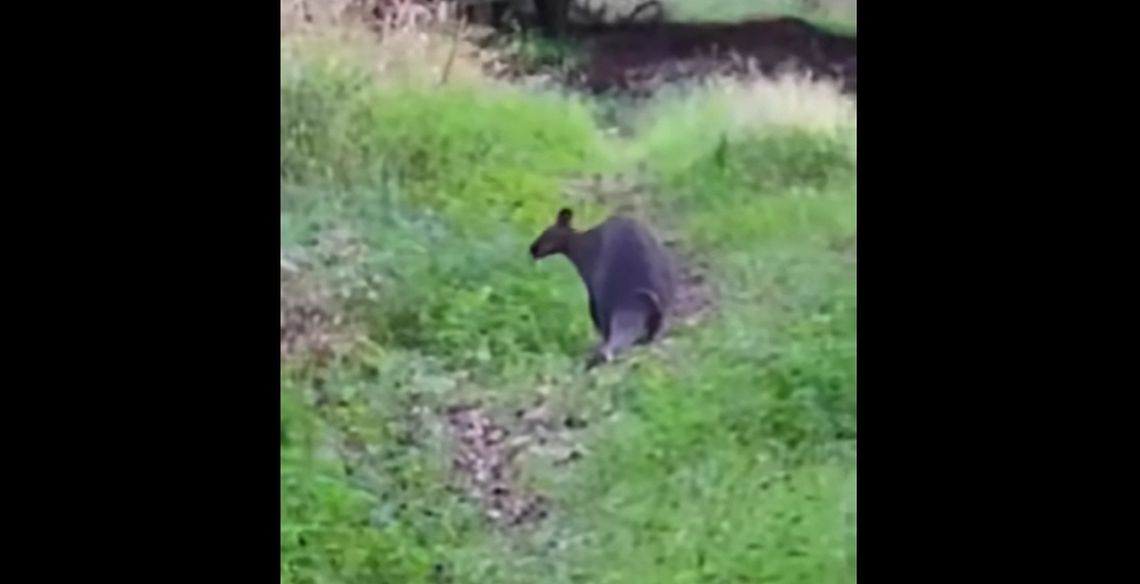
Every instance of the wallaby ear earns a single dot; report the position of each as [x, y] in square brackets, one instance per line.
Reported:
[564, 217]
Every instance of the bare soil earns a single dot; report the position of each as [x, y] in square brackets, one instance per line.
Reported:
[636, 58]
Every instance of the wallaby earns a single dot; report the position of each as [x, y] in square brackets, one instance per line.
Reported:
[628, 275]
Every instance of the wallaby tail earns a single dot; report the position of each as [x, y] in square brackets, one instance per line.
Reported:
[629, 325]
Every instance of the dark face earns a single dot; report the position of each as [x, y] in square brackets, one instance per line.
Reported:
[555, 238]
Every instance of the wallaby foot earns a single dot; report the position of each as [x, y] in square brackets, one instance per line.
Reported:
[597, 357]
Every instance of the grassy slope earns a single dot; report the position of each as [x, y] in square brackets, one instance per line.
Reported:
[727, 454]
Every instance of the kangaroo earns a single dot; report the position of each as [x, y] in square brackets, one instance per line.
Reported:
[628, 275]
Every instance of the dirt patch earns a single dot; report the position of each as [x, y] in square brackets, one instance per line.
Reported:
[638, 57]
[489, 451]
[694, 300]
[312, 328]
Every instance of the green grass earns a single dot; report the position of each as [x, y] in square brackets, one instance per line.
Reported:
[725, 454]
[835, 15]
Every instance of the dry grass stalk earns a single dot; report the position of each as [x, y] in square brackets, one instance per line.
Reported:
[403, 42]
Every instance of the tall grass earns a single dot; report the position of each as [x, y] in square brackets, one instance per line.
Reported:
[724, 453]
[445, 145]
[746, 161]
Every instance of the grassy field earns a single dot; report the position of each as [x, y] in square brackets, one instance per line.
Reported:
[725, 453]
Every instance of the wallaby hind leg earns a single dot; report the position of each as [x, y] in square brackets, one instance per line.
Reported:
[638, 323]
[626, 326]
[597, 355]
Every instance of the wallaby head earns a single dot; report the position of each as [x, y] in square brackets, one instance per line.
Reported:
[556, 238]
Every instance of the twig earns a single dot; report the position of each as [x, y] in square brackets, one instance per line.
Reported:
[459, 26]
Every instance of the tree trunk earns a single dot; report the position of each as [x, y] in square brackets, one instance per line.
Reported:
[551, 16]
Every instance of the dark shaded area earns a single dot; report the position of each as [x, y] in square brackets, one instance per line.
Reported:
[637, 56]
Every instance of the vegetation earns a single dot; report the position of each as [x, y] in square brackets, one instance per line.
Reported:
[835, 14]
[726, 453]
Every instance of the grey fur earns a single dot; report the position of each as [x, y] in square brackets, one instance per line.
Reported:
[628, 274]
